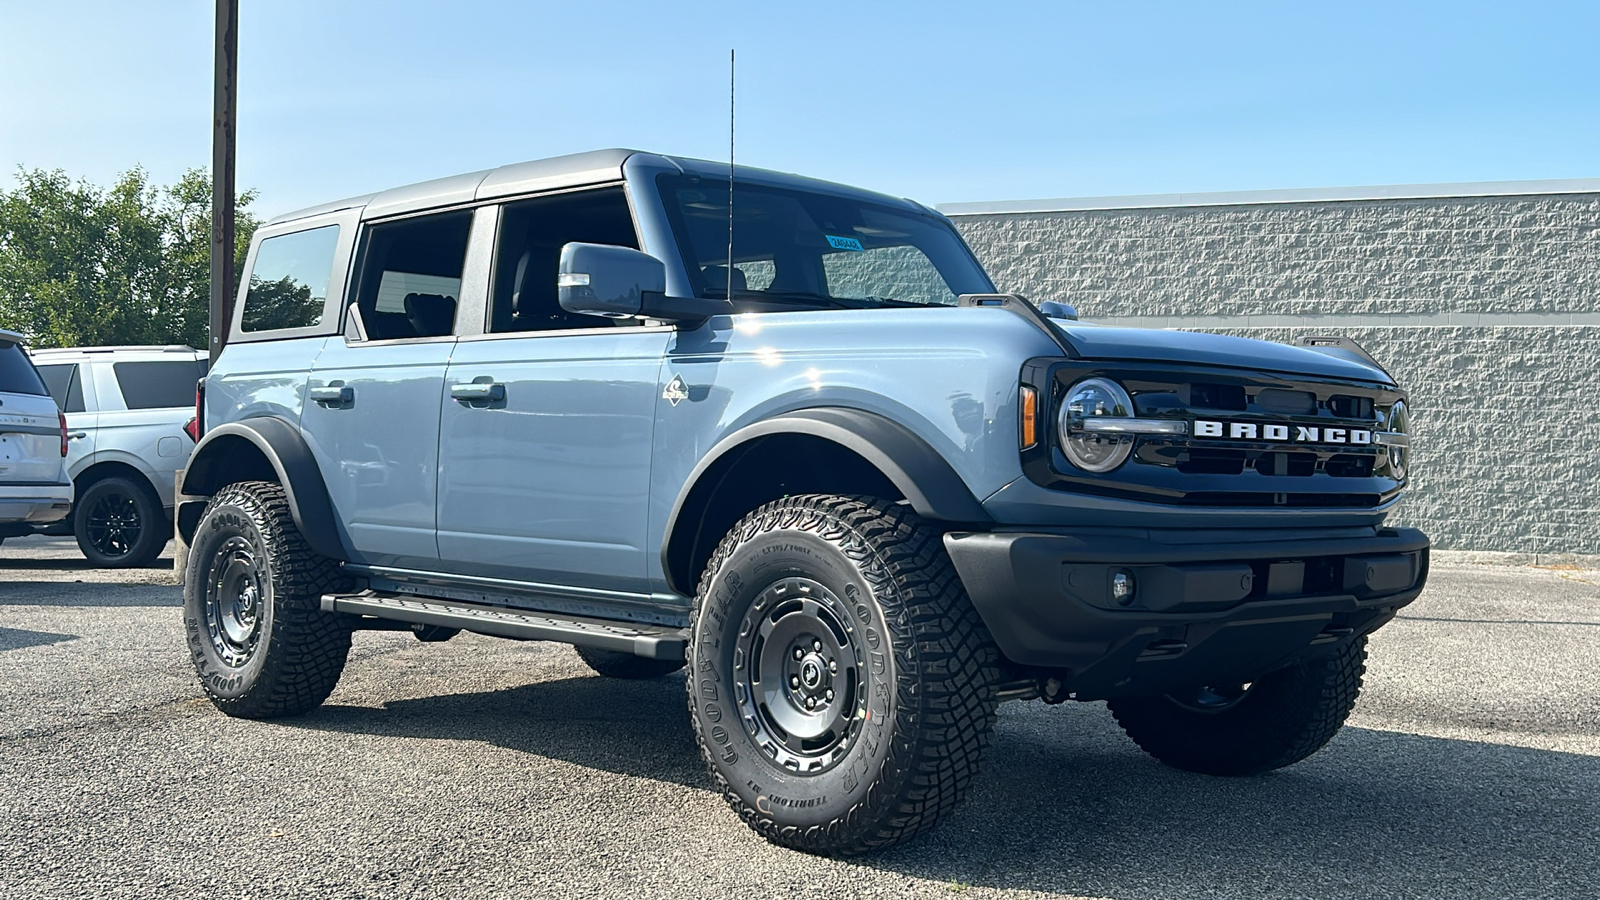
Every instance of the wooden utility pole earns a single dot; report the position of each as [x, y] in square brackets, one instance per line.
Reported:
[225, 106]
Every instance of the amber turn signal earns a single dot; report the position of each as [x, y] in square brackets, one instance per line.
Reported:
[1030, 417]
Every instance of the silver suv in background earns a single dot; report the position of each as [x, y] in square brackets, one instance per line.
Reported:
[126, 409]
[34, 487]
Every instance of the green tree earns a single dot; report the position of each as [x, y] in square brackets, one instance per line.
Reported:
[82, 266]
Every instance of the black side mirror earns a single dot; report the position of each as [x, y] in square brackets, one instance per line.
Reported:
[621, 283]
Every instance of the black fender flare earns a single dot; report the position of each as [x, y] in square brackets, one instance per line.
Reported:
[286, 451]
[930, 484]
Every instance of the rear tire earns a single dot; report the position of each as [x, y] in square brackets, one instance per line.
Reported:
[842, 685]
[1279, 720]
[615, 664]
[261, 645]
[119, 524]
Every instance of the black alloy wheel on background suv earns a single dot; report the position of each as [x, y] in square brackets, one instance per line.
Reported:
[119, 524]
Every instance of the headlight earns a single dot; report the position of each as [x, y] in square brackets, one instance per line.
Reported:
[1397, 440]
[1095, 451]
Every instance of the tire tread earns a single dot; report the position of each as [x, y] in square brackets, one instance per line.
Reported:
[948, 713]
[306, 647]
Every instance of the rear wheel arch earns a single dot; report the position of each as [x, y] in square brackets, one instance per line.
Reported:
[100, 471]
[827, 450]
[265, 449]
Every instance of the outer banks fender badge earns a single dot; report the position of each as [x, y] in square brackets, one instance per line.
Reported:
[676, 391]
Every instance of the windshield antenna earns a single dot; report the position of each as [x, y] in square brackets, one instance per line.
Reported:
[728, 288]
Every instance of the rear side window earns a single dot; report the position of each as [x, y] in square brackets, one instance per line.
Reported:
[289, 281]
[158, 385]
[17, 375]
[64, 385]
[410, 276]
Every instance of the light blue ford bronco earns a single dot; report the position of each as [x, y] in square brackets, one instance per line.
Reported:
[799, 447]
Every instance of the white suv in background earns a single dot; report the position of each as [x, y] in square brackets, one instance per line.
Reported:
[34, 487]
[126, 409]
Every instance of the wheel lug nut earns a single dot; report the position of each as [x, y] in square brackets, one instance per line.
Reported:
[833, 666]
[817, 646]
[811, 703]
[798, 653]
[830, 693]
[794, 680]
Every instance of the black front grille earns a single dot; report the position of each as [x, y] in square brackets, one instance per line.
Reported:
[1200, 461]
[1299, 463]
[1256, 450]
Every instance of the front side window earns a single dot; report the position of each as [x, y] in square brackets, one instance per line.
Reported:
[797, 248]
[528, 256]
[289, 281]
[410, 279]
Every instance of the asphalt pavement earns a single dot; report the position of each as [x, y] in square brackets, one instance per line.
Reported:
[489, 768]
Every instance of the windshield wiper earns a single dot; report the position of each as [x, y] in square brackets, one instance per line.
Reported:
[868, 302]
[890, 301]
[795, 297]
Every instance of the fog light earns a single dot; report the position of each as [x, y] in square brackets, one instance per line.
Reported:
[1122, 587]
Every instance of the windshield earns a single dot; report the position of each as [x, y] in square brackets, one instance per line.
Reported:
[795, 248]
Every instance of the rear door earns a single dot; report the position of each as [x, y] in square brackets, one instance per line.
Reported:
[30, 432]
[74, 394]
[372, 404]
[144, 403]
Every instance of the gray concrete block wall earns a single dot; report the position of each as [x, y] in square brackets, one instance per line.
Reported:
[1484, 308]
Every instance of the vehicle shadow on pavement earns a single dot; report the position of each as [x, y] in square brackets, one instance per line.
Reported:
[636, 728]
[58, 564]
[81, 594]
[17, 638]
[1066, 803]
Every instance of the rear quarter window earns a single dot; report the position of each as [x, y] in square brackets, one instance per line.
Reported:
[17, 375]
[289, 280]
[65, 385]
[158, 384]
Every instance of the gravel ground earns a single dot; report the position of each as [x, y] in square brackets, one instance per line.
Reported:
[486, 768]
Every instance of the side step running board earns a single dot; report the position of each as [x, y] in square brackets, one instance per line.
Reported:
[649, 641]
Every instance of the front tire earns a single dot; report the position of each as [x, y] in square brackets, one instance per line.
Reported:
[261, 645]
[1273, 722]
[119, 524]
[841, 686]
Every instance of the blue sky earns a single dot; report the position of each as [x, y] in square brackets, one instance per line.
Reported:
[939, 101]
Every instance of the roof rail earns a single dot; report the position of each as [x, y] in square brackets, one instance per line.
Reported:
[149, 348]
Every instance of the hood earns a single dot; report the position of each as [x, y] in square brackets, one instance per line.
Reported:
[1158, 345]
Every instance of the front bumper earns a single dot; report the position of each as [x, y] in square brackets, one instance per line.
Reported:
[24, 506]
[1207, 606]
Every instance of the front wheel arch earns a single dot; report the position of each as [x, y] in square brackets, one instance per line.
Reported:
[871, 454]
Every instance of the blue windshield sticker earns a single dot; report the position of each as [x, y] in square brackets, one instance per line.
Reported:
[844, 243]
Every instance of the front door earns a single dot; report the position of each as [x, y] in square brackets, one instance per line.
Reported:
[544, 456]
[544, 444]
